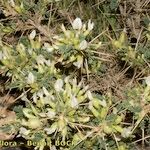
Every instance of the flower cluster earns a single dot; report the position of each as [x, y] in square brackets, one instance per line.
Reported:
[73, 47]
[54, 112]
[28, 66]
[134, 56]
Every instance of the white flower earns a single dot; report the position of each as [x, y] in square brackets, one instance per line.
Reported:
[56, 37]
[147, 80]
[30, 78]
[90, 105]
[52, 129]
[40, 93]
[115, 110]
[45, 91]
[63, 28]
[90, 25]
[77, 24]
[42, 114]
[103, 103]
[86, 87]
[83, 45]
[79, 62]
[74, 102]
[84, 27]
[51, 114]
[55, 46]
[34, 97]
[49, 130]
[32, 35]
[74, 82]
[53, 148]
[67, 79]
[89, 94]
[8, 74]
[126, 132]
[30, 51]
[24, 97]
[24, 131]
[40, 59]
[58, 85]
[12, 3]
[48, 47]
[48, 63]
[47, 99]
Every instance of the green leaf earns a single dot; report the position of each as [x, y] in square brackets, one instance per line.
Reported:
[38, 137]
[18, 111]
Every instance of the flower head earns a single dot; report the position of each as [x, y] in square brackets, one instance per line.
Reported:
[103, 103]
[58, 85]
[83, 45]
[12, 3]
[74, 102]
[45, 91]
[90, 25]
[51, 113]
[52, 129]
[126, 132]
[30, 78]
[34, 98]
[32, 35]
[40, 59]
[24, 131]
[147, 80]
[79, 62]
[48, 47]
[89, 94]
[77, 24]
